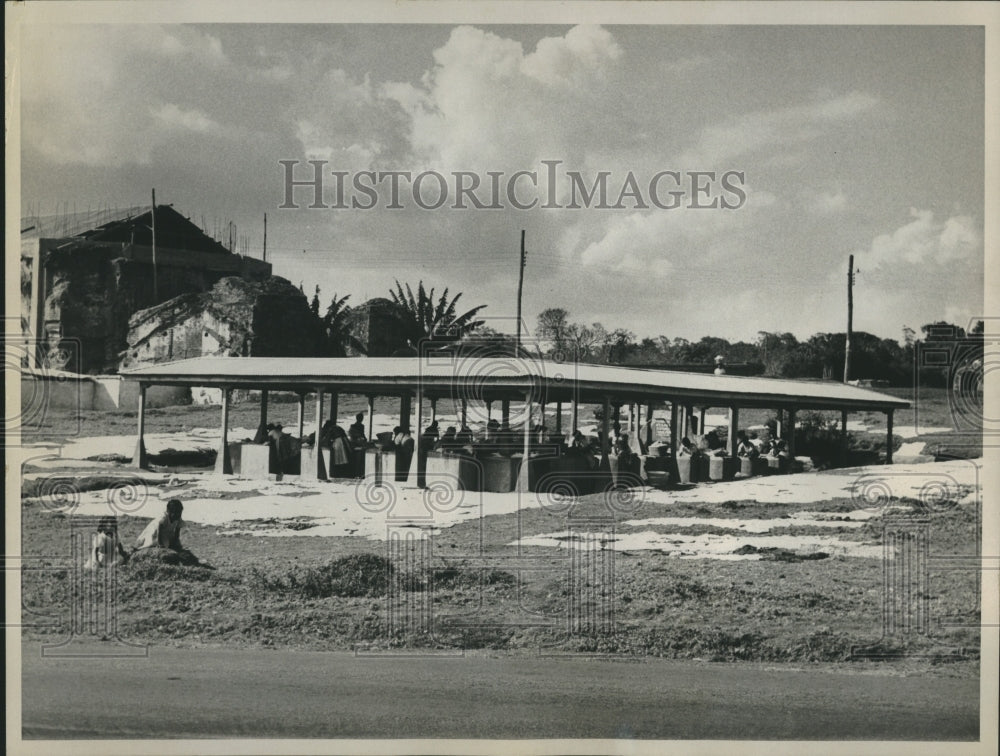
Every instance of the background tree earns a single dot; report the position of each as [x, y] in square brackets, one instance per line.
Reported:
[423, 317]
[553, 327]
[314, 305]
[337, 326]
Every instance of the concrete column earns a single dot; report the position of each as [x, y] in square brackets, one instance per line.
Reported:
[261, 437]
[404, 411]
[302, 414]
[790, 432]
[139, 458]
[606, 434]
[734, 426]
[675, 440]
[843, 436]
[888, 437]
[524, 474]
[418, 452]
[223, 463]
[371, 417]
[320, 470]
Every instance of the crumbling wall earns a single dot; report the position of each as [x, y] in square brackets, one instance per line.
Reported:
[236, 318]
[376, 329]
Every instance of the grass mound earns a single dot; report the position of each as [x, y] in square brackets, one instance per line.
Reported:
[355, 575]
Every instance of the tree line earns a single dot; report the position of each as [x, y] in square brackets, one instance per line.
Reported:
[423, 314]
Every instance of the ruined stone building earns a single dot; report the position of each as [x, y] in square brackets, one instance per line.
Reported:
[83, 276]
[235, 318]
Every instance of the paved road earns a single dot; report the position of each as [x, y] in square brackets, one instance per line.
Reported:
[240, 693]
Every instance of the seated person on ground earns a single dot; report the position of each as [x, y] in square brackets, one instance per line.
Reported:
[105, 547]
[164, 533]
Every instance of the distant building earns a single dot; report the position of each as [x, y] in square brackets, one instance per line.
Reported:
[376, 330]
[84, 275]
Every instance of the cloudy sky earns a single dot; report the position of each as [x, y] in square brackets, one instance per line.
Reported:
[864, 140]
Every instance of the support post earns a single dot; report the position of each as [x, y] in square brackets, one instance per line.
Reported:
[701, 421]
[606, 435]
[371, 417]
[649, 424]
[334, 406]
[524, 474]
[684, 412]
[734, 426]
[223, 462]
[541, 413]
[888, 437]
[320, 470]
[790, 431]
[302, 414]
[139, 458]
[261, 437]
[489, 410]
[843, 437]
[575, 416]
[465, 412]
[675, 440]
[779, 416]
[505, 413]
[434, 409]
[418, 461]
[558, 418]
[404, 411]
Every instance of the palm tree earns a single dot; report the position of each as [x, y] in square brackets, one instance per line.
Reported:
[337, 325]
[424, 318]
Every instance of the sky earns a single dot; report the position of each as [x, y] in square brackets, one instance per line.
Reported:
[842, 140]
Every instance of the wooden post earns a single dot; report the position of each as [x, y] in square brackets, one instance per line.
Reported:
[734, 424]
[649, 424]
[575, 416]
[434, 409]
[489, 411]
[334, 406]
[139, 458]
[505, 413]
[683, 419]
[541, 412]
[888, 437]
[320, 470]
[778, 417]
[701, 421]
[261, 437]
[790, 431]
[465, 413]
[223, 462]
[371, 417]
[558, 418]
[302, 414]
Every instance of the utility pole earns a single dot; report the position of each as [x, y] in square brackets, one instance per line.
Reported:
[265, 237]
[850, 318]
[156, 288]
[520, 287]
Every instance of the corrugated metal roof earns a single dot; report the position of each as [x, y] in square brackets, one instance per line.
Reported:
[472, 375]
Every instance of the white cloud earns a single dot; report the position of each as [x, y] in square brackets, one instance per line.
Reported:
[827, 203]
[925, 241]
[751, 132]
[173, 116]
